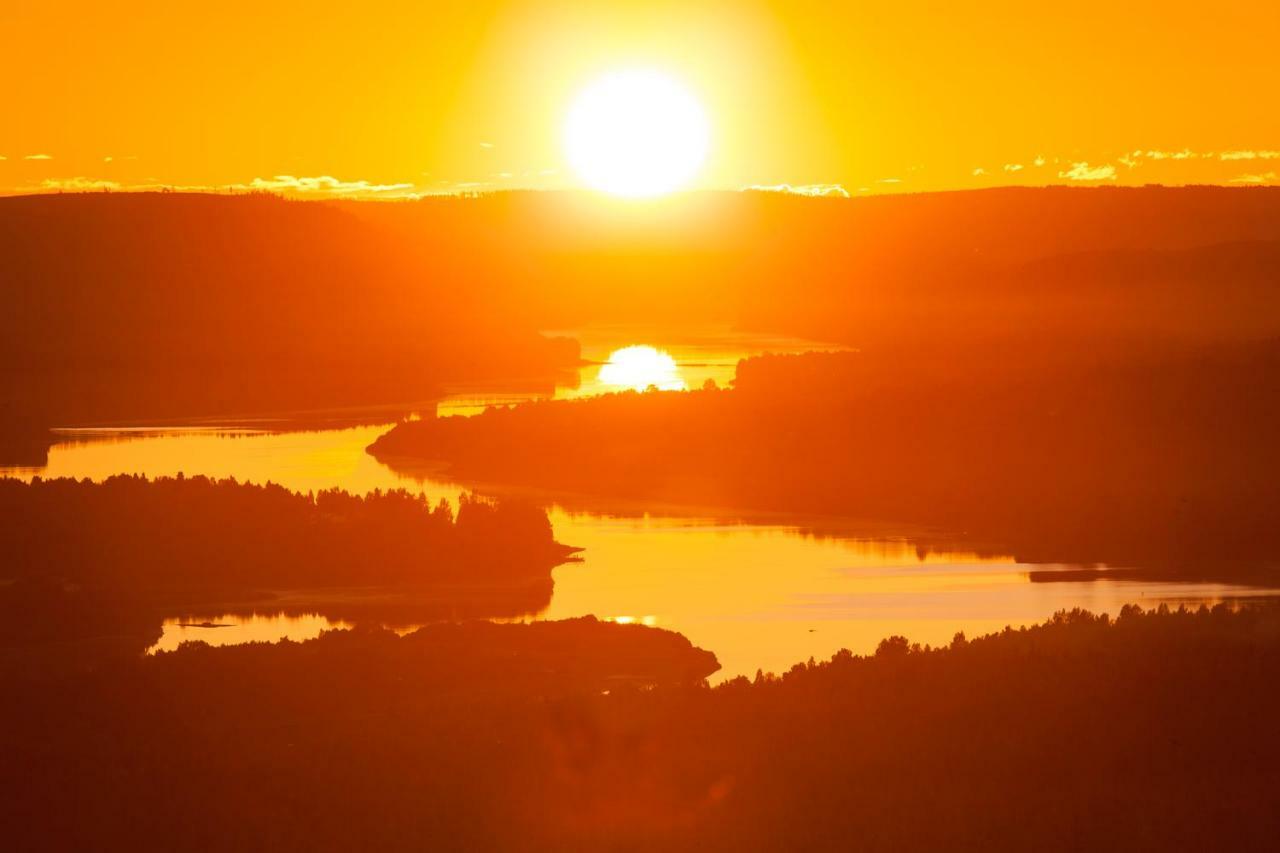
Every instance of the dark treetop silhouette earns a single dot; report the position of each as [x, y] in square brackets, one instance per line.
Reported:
[94, 560]
[1147, 732]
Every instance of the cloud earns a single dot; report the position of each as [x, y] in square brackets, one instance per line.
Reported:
[1013, 167]
[1039, 161]
[1264, 178]
[1184, 154]
[979, 171]
[37, 157]
[889, 181]
[323, 185]
[812, 190]
[2, 157]
[486, 144]
[327, 185]
[1084, 172]
[78, 185]
[1249, 155]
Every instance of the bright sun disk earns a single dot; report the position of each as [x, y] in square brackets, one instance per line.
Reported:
[636, 133]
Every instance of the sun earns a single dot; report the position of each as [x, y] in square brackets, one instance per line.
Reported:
[636, 133]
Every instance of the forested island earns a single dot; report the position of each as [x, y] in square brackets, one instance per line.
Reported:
[89, 560]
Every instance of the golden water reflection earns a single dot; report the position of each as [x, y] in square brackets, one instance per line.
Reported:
[233, 630]
[619, 358]
[639, 368]
[758, 595]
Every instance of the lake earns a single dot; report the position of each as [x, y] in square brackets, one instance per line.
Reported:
[760, 592]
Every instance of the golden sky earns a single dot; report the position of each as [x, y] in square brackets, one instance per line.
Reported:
[412, 97]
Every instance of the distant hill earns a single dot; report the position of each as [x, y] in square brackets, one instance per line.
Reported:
[863, 271]
[132, 306]
[155, 305]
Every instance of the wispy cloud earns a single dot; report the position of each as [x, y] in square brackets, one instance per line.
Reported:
[486, 144]
[78, 185]
[320, 186]
[979, 172]
[1084, 172]
[1264, 178]
[1013, 167]
[37, 157]
[1249, 155]
[813, 190]
[1184, 154]
[889, 181]
[1039, 161]
[327, 185]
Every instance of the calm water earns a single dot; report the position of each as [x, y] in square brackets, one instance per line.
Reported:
[619, 358]
[760, 595]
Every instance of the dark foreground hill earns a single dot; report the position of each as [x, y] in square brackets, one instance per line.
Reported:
[1147, 732]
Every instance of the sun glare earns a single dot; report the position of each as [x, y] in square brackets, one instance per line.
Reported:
[639, 367]
[636, 133]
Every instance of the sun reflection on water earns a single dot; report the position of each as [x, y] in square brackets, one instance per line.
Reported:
[639, 368]
[230, 630]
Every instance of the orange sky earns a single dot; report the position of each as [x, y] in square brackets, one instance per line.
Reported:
[431, 97]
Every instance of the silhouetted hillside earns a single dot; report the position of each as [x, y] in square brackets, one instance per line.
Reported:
[133, 306]
[146, 306]
[1157, 458]
[84, 559]
[1150, 732]
[871, 271]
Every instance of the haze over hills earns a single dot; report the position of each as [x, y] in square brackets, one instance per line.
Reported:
[168, 306]
[158, 305]
[859, 271]
[165, 306]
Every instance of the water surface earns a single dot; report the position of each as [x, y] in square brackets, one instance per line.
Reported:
[760, 595]
[758, 591]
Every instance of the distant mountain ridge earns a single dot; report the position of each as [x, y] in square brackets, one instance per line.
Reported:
[133, 306]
